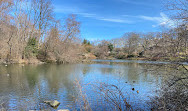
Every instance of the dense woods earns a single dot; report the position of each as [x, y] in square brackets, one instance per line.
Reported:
[29, 33]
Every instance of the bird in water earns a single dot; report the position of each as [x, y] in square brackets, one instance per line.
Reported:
[137, 91]
[133, 89]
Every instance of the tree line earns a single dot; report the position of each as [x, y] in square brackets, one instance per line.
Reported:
[30, 33]
[168, 44]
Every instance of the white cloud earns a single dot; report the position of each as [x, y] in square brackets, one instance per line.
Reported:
[74, 10]
[165, 20]
[162, 20]
[118, 20]
[150, 18]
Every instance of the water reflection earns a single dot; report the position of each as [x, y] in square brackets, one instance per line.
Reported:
[25, 87]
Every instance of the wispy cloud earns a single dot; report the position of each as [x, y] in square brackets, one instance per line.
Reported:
[77, 11]
[128, 19]
[114, 20]
[138, 2]
[162, 20]
[150, 18]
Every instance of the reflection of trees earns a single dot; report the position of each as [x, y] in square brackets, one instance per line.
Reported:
[12, 78]
[107, 70]
[38, 82]
[86, 69]
[133, 72]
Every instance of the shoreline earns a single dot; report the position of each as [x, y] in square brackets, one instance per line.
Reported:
[36, 61]
[165, 59]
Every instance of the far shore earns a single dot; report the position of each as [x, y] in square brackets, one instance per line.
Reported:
[36, 61]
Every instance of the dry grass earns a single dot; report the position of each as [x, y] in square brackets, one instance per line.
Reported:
[111, 94]
[174, 93]
[81, 99]
[114, 96]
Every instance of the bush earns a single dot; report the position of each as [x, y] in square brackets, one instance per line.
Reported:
[120, 56]
[31, 49]
[88, 48]
[130, 56]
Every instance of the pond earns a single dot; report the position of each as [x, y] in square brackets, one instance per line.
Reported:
[25, 87]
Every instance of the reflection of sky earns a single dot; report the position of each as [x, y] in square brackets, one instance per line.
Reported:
[57, 82]
[119, 74]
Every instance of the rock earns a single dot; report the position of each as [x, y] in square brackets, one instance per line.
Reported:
[63, 110]
[54, 103]
[186, 67]
[47, 102]
[186, 109]
[2, 109]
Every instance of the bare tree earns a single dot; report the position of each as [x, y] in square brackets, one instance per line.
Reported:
[132, 43]
[42, 11]
[5, 7]
[179, 8]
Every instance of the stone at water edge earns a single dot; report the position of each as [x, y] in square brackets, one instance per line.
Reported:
[186, 67]
[63, 110]
[47, 102]
[2, 109]
[54, 103]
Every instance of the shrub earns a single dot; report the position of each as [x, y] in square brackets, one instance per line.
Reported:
[31, 49]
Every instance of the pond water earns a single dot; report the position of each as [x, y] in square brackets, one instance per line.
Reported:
[26, 87]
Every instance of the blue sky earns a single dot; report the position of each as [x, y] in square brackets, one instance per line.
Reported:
[107, 19]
